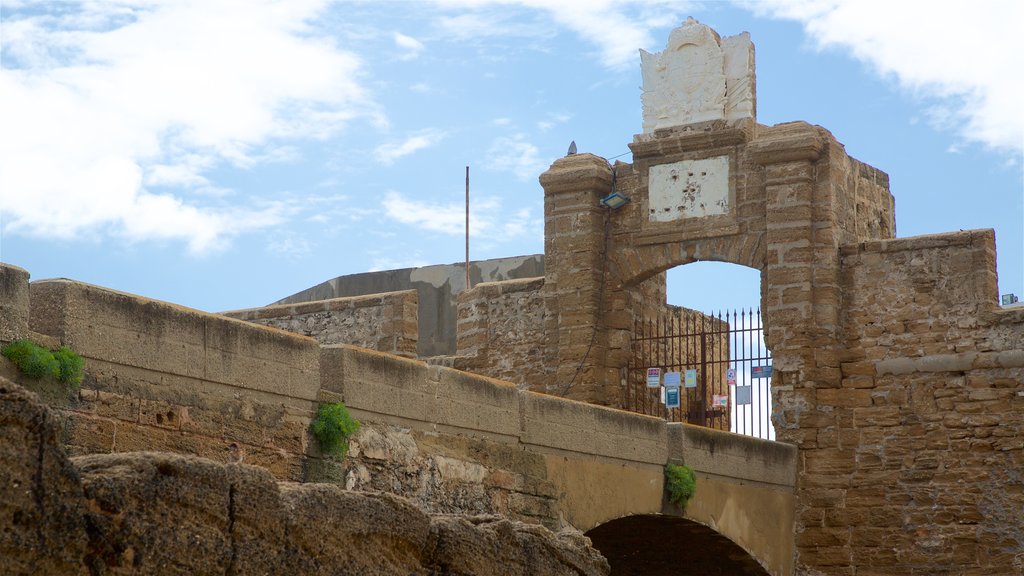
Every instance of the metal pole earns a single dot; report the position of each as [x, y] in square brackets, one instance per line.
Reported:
[467, 229]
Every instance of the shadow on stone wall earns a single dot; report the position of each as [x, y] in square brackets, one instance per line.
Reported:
[158, 513]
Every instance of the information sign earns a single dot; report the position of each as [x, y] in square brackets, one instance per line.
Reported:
[761, 372]
[672, 379]
[742, 395]
[719, 400]
[672, 397]
[653, 377]
[691, 378]
[730, 376]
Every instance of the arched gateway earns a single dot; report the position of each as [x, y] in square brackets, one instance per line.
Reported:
[781, 199]
[895, 372]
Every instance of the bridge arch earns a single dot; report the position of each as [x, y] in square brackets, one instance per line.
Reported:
[657, 544]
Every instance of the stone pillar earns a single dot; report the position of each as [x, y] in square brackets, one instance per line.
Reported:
[802, 272]
[802, 313]
[14, 303]
[574, 234]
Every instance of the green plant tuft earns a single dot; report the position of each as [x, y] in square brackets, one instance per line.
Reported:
[681, 483]
[36, 361]
[32, 359]
[69, 366]
[332, 428]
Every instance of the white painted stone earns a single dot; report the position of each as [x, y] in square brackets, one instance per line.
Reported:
[698, 77]
[689, 189]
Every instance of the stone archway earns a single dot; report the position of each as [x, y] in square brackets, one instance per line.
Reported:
[654, 545]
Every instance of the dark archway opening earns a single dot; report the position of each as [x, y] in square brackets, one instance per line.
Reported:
[656, 545]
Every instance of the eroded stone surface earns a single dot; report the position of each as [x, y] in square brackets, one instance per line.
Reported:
[159, 513]
[699, 77]
[689, 189]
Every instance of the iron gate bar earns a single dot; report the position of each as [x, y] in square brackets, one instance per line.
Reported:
[709, 344]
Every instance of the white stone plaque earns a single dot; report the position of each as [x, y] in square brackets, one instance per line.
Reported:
[689, 189]
[698, 77]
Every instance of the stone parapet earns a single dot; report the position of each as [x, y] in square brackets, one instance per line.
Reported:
[385, 322]
[122, 329]
[14, 303]
[501, 332]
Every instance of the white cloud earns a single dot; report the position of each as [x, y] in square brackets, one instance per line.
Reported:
[289, 245]
[617, 27]
[515, 155]
[102, 101]
[487, 219]
[420, 88]
[963, 56]
[552, 121]
[387, 153]
[389, 263]
[411, 46]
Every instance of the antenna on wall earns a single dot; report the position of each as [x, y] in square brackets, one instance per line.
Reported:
[467, 229]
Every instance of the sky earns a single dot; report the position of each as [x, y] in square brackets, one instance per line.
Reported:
[224, 155]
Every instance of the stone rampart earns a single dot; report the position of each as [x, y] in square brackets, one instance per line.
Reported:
[451, 441]
[912, 455]
[437, 289]
[501, 332]
[164, 377]
[385, 322]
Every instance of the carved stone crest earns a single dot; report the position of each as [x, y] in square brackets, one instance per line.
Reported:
[698, 77]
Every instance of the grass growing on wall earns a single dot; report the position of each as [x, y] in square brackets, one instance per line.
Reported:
[36, 361]
[681, 483]
[332, 428]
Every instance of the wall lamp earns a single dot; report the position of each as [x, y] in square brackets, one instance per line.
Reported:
[615, 200]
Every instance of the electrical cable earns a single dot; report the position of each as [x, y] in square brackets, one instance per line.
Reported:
[600, 292]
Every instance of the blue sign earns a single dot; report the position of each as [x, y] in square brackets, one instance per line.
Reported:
[672, 397]
[761, 371]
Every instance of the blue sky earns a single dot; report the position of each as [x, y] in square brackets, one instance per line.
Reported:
[223, 155]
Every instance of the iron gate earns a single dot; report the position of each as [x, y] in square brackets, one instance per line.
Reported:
[721, 363]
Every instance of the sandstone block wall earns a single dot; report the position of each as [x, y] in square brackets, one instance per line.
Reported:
[453, 442]
[165, 377]
[437, 288]
[912, 455]
[385, 322]
[501, 333]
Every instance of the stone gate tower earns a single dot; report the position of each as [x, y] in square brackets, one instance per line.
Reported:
[896, 372]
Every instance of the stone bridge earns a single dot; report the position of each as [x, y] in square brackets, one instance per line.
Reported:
[167, 378]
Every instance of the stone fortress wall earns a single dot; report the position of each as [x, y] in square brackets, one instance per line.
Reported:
[385, 322]
[166, 378]
[898, 383]
[896, 372]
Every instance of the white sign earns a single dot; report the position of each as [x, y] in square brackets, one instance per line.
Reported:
[653, 377]
[730, 376]
[688, 189]
[672, 379]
